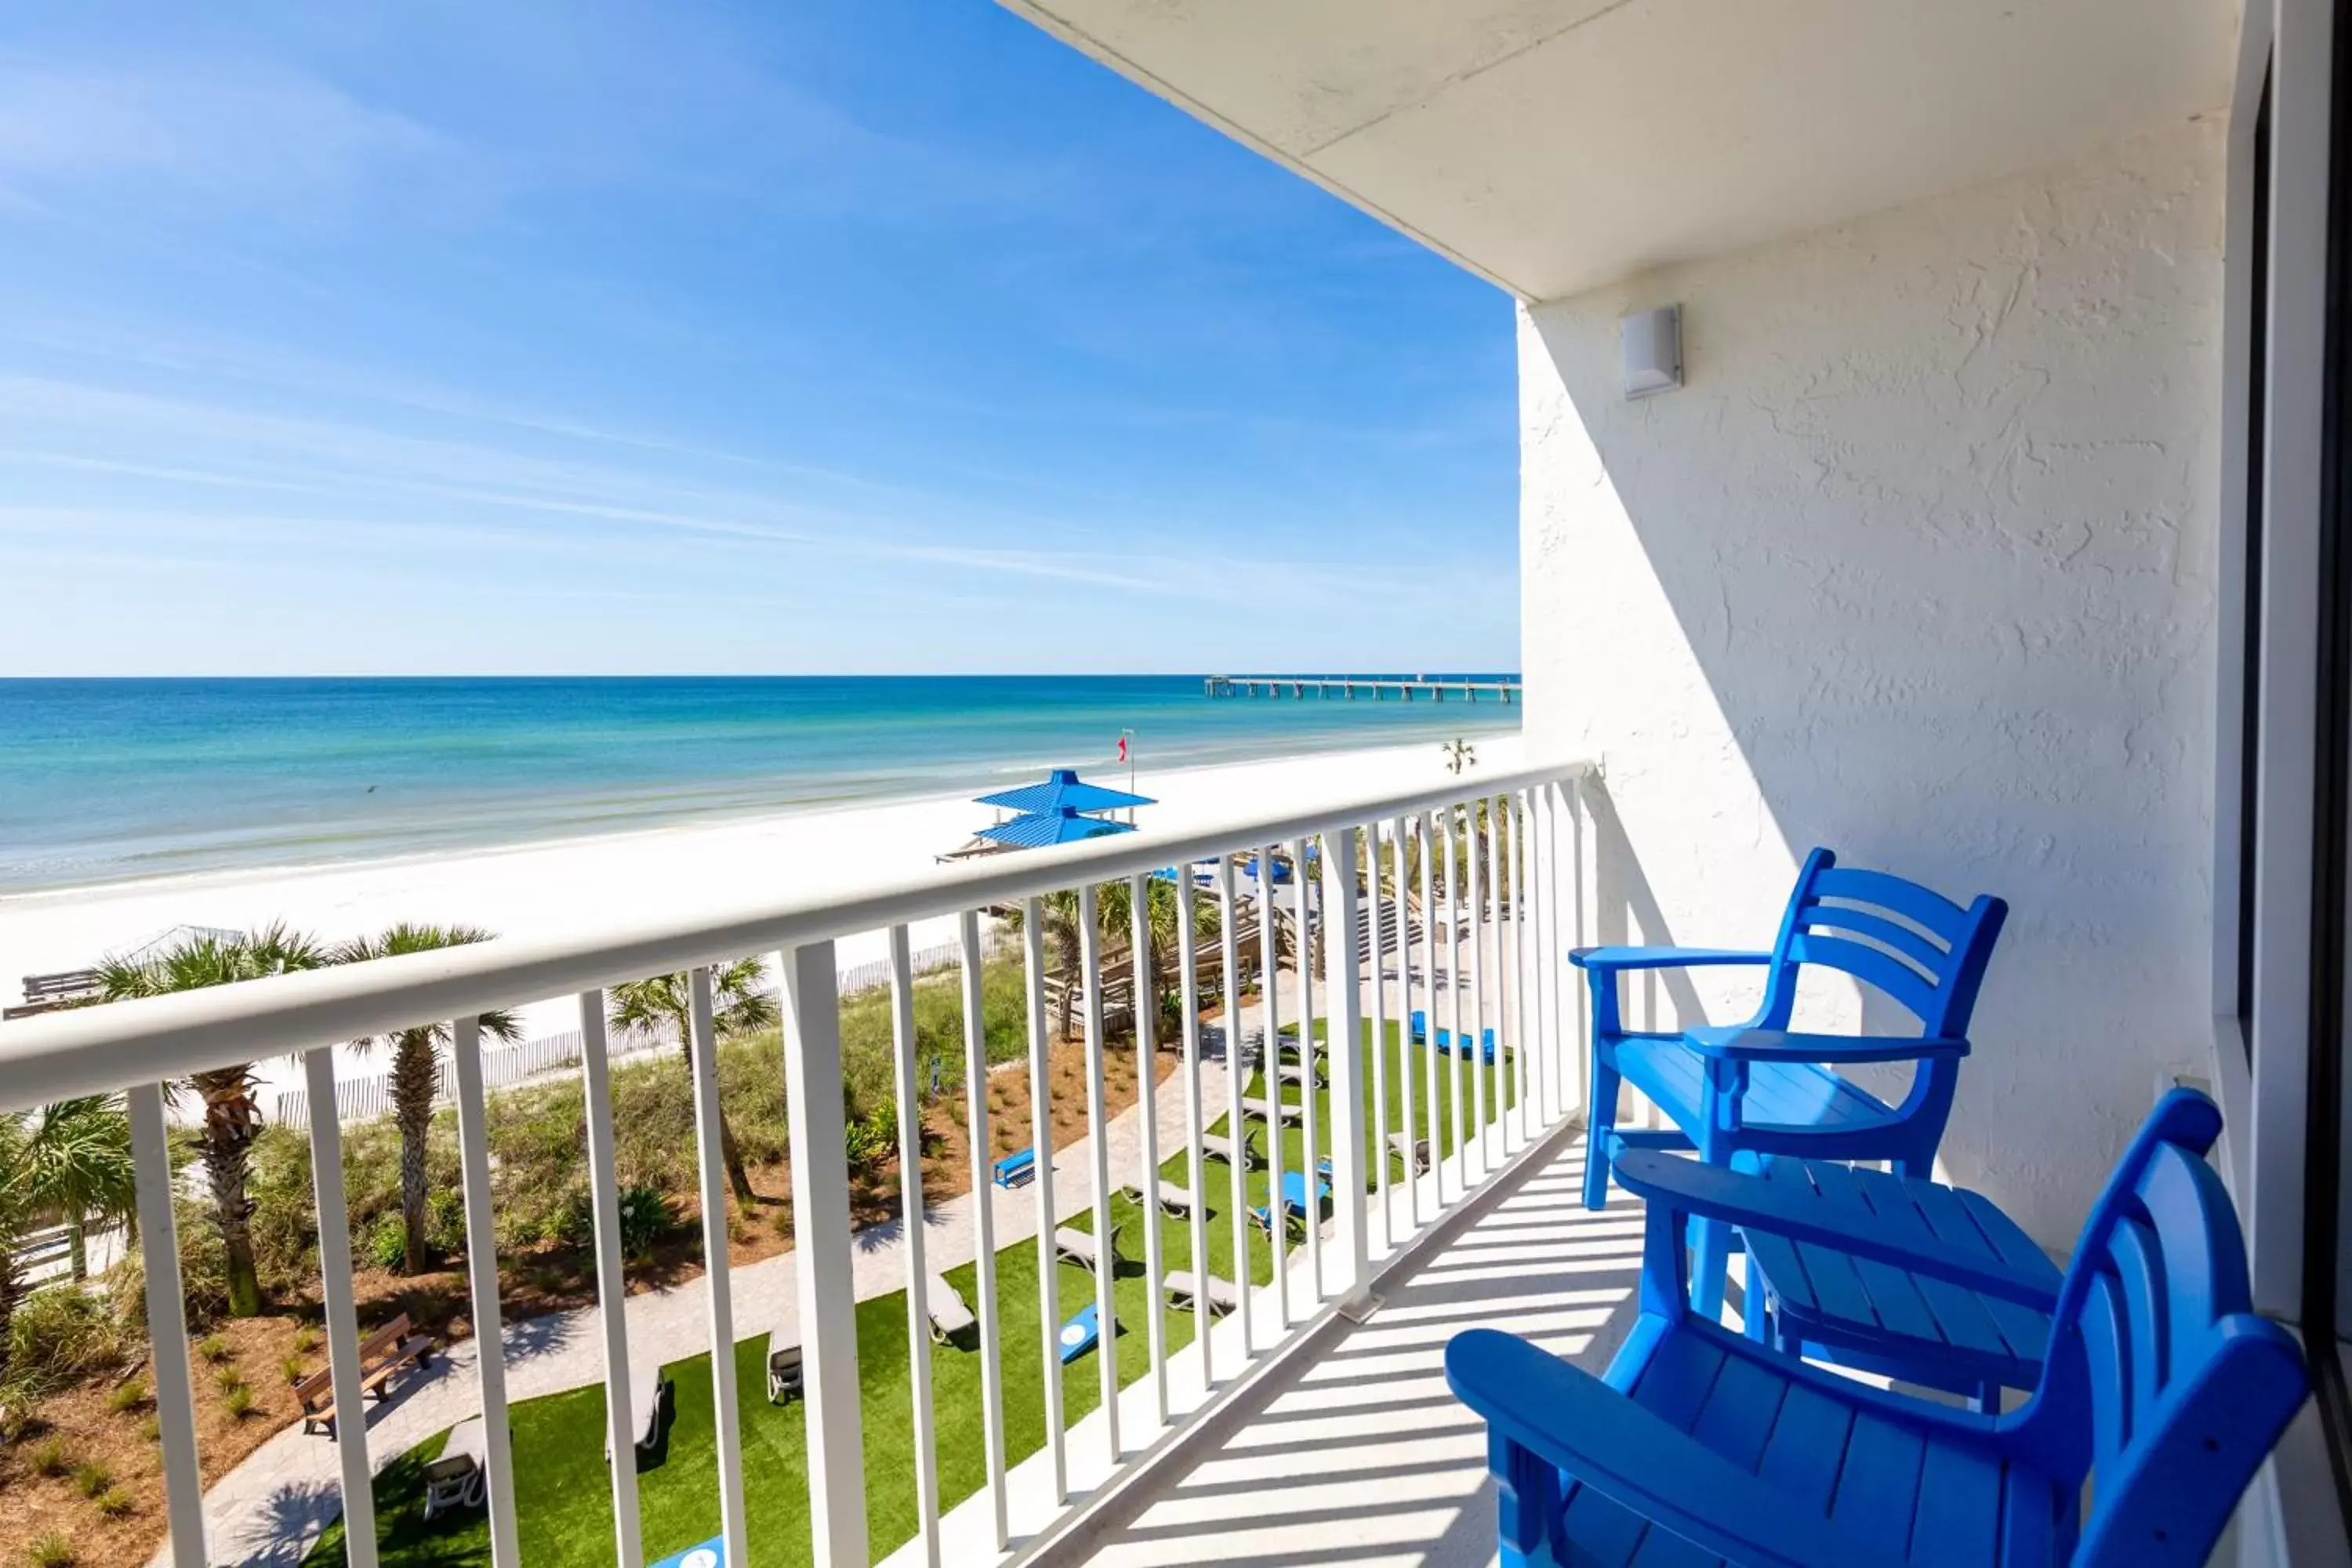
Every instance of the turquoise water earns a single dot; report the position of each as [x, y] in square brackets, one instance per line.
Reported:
[107, 780]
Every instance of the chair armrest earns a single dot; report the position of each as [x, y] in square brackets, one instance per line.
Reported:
[1571, 1420]
[1690, 1187]
[1613, 958]
[1738, 1042]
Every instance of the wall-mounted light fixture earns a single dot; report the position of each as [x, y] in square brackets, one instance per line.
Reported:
[1653, 350]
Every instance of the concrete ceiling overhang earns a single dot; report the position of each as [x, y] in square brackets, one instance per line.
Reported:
[1555, 145]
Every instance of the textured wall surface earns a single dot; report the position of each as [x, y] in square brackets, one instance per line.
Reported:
[1919, 565]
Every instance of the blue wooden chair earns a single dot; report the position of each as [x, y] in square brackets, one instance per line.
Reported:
[1748, 1091]
[2162, 1389]
[1828, 1304]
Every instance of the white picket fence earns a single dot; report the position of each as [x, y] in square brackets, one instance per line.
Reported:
[366, 1099]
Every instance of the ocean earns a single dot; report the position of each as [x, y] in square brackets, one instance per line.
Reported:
[104, 781]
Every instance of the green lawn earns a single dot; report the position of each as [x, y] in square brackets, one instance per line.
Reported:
[565, 1507]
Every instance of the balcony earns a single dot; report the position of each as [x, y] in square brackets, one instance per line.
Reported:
[976, 1428]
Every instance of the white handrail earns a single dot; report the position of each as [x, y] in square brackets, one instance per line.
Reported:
[93, 1049]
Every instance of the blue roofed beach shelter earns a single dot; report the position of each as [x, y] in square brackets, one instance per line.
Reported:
[1039, 828]
[1063, 792]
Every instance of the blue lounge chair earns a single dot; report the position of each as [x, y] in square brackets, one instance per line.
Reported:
[1419, 1033]
[1750, 1090]
[1294, 1202]
[2162, 1389]
[1831, 1305]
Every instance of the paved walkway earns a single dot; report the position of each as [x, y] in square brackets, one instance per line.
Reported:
[272, 1508]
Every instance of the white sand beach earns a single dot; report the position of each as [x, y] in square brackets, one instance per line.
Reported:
[545, 888]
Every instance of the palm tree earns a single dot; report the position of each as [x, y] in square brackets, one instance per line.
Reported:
[1459, 754]
[740, 1005]
[1057, 921]
[72, 1160]
[415, 1077]
[231, 1113]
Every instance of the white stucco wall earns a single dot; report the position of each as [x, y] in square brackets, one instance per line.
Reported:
[1919, 565]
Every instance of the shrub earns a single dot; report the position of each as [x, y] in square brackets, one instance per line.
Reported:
[61, 1334]
[113, 1502]
[93, 1478]
[293, 1368]
[49, 1458]
[306, 1340]
[127, 1397]
[285, 1221]
[214, 1349]
[647, 1218]
[240, 1401]
[227, 1377]
[388, 1242]
[152, 1428]
[872, 1139]
[51, 1551]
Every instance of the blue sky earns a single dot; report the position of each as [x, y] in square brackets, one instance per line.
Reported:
[839, 335]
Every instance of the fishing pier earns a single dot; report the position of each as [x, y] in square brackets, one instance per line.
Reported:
[1374, 688]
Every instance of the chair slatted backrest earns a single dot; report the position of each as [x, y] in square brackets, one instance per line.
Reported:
[1923, 951]
[2162, 1386]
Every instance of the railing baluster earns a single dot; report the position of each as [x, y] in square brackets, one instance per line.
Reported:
[1310, 1140]
[167, 1326]
[345, 1374]
[828, 1304]
[1583, 896]
[1147, 1105]
[1454, 988]
[1188, 958]
[1429, 984]
[1344, 1036]
[1236, 1116]
[1400, 857]
[1555, 955]
[911, 1243]
[611, 1285]
[1492, 920]
[710, 1157]
[975, 1079]
[1379, 1129]
[1474, 1046]
[1270, 1070]
[482, 1275]
[1041, 1148]
[1539, 905]
[1098, 1151]
[1529, 1082]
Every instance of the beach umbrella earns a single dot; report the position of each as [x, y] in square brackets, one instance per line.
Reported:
[1063, 792]
[1039, 828]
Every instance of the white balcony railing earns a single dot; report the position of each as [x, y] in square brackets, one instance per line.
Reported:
[1493, 926]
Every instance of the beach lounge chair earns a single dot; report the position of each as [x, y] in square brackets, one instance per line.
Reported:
[949, 1316]
[785, 1370]
[1216, 1146]
[1413, 1152]
[457, 1479]
[1186, 1294]
[1294, 1202]
[1289, 1110]
[1292, 1072]
[1018, 1166]
[648, 1392]
[1173, 1199]
[2144, 1428]
[1741, 1090]
[1078, 1246]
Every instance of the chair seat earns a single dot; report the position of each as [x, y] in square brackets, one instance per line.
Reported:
[1957, 1503]
[1883, 1318]
[1789, 1098]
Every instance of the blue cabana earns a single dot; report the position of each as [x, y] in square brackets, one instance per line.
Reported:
[1039, 828]
[1063, 792]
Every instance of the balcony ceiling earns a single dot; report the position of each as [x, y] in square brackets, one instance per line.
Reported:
[1554, 146]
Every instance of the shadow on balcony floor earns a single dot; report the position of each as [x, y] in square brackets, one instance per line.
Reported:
[1363, 1456]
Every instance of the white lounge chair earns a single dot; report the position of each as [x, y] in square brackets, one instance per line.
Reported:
[647, 1388]
[949, 1316]
[783, 1361]
[1079, 1247]
[457, 1479]
[1413, 1152]
[1184, 1292]
[1173, 1199]
[1217, 1147]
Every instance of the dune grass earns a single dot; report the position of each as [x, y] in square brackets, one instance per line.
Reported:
[564, 1506]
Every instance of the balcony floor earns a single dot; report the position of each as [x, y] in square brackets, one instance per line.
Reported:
[1361, 1454]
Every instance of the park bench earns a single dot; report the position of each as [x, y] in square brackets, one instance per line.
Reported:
[383, 1354]
[1014, 1167]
